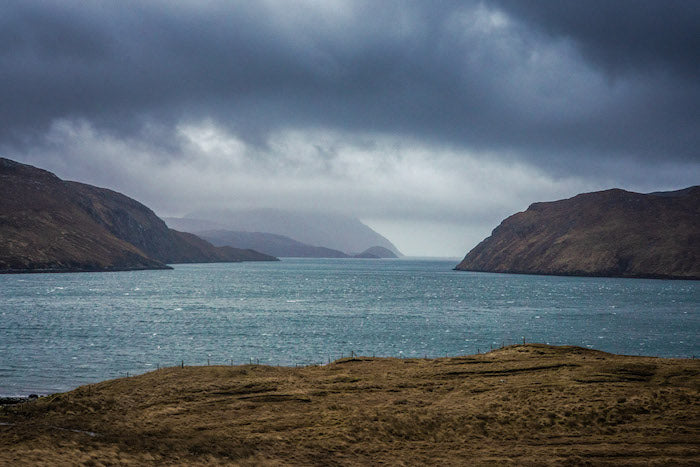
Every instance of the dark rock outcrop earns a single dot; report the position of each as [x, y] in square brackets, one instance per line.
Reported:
[608, 233]
[51, 225]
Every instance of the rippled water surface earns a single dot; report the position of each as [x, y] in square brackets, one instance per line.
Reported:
[58, 331]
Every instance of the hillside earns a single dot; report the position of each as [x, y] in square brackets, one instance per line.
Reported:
[606, 233]
[521, 405]
[278, 245]
[272, 244]
[342, 233]
[51, 225]
[376, 252]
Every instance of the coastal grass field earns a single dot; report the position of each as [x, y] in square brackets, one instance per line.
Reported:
[522, 404]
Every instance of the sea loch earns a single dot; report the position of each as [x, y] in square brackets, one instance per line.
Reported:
[58, 331]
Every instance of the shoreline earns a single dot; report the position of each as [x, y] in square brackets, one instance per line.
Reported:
[12, 400]
[18, 397]
[602, 275]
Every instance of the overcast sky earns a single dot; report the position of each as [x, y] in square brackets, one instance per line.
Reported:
[429, 120]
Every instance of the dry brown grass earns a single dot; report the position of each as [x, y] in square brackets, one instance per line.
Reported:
[526, 404]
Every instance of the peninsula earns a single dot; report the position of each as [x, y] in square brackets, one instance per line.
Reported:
[51, 225]
[613, 233]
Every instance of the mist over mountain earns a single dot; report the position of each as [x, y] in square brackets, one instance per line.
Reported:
[51, 225]
[346, 234]
[606, 233]
[271, 244]
[194, 226]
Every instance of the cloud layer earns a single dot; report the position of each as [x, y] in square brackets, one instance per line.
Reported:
[436, 117]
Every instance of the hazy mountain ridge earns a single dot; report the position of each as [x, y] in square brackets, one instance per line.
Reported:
[337, 232]
[48, 224]
[282, 246]
[272, 244]
[606, 233]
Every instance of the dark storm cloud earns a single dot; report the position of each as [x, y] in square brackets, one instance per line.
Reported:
[623, 36]
[558, 84]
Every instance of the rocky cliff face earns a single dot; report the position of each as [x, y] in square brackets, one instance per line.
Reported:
[607, 233]
[47, 224]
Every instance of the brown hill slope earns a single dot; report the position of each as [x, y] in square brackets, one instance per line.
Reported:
[50, 225]
[520, 405]
[607, 233]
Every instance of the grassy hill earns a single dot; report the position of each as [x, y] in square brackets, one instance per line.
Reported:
[51, 225]
[607, 233]
[525, 404]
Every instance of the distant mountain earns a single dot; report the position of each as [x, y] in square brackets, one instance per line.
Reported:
[606, 233]
[195, 226]
[376, 252]
[51, 225]
[337, 232]
[272, 244]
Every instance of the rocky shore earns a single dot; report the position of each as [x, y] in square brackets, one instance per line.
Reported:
[17, 400]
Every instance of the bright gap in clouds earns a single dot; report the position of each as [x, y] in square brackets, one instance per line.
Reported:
[428, 200]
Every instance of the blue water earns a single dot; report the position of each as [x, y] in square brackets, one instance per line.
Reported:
[58, 331]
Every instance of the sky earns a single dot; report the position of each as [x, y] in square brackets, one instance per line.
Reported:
[429, 121]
